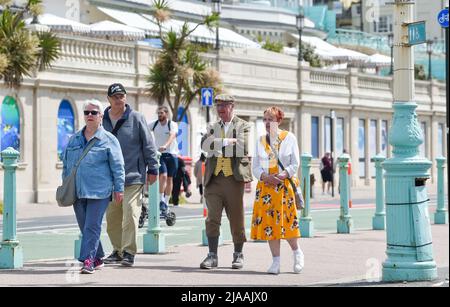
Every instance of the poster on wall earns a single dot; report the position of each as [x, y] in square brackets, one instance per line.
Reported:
[10, 124]
[66, 126]
[183, 134]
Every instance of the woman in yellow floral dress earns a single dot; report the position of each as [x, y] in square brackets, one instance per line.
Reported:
[274, 213]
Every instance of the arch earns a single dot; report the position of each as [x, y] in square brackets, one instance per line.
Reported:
[66, 125]
[10, 124]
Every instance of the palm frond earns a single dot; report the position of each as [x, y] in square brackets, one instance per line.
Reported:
[49, 49]
[3, 63]
[161, 5]
[160, 82]
[212, 21]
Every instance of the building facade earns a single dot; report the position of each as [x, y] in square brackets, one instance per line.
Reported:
[38, 118]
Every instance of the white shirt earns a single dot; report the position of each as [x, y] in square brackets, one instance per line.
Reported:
[226, 127]
[162, 134]
[289, 155]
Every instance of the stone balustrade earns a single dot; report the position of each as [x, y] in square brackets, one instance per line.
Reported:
[269, 73]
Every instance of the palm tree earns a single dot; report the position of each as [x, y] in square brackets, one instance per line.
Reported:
[179, 73]
[22, 52]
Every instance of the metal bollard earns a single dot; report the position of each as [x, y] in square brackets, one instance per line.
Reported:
[379, 220]
[306, 221]
[441, 214]
[345, 222]
[154, 240]
[11, 254]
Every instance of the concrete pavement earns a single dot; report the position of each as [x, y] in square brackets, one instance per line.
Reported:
[331, 260]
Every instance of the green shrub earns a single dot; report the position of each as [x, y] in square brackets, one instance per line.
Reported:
[1, 207]
[273, 46]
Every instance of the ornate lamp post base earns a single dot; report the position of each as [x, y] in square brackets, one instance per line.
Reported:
[409, 242]
[403, 270]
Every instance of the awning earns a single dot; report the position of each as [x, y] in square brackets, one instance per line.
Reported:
[227, 37]
[181, 6]
[202, 34]
[379, 60]
[132, 19]
[60, 24]
[328, 52]
[109, 28]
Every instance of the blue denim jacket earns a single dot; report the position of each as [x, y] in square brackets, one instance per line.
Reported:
[101, 171]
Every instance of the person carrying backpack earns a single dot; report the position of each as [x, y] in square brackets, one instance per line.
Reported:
[165, 133]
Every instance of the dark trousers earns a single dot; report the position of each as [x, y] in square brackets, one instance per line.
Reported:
[176, 190]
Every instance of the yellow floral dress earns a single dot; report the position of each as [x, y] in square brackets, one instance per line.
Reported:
[274, 212]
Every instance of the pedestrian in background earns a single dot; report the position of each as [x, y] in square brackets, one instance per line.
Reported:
[274, 212]
[141, 165]
[199, 172]
[100, 174]
[165, 132]
[182, 177]
[326, 171]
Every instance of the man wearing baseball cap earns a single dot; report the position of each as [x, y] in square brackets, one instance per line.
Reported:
[141, 165]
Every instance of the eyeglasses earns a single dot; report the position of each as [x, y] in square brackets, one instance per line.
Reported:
[223, 104]
[93, 112]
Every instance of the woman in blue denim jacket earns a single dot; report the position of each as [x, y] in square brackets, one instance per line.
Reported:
[100, 175]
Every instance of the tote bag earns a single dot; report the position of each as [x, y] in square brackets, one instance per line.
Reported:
[66, 194]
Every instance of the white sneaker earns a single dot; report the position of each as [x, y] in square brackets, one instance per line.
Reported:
[274, 268]
[299, 261]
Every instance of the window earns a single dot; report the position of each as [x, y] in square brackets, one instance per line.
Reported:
[66, 126]
[339, 136]
[384, 138]
[327, 136]
[315, 136]
[373, 144]
[440, 146]
[362, 148]
[10, 124]
[358, 10]
[384, 25]
[423, 146]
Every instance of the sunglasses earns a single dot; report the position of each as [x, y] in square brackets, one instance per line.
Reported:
[93, 112]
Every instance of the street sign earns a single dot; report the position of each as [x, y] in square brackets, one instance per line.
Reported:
[416, 33]
[443, 18]
[207, 97]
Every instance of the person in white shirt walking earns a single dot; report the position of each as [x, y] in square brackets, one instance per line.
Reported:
[165, 132]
